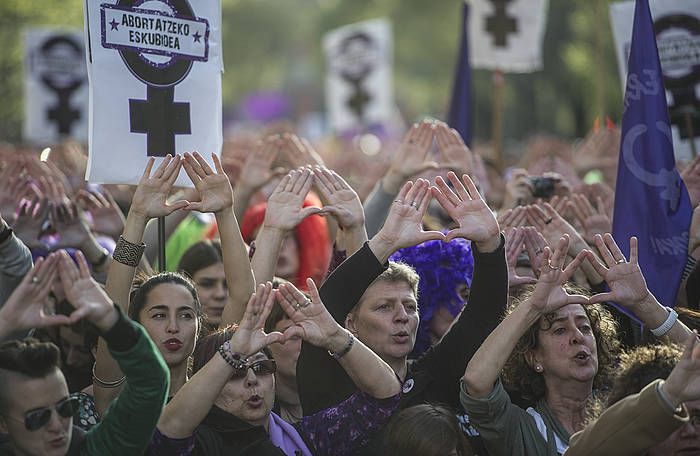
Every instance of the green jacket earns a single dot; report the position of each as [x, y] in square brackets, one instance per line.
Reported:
[128, 423]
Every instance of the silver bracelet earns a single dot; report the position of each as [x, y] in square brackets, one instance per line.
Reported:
[666, 325]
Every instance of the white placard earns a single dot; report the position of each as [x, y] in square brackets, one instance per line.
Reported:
[56, 86]
[677, 27]
[507, 35]
[155, 83]
[359, 60]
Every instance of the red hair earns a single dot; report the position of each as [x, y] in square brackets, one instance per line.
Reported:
[311, 236]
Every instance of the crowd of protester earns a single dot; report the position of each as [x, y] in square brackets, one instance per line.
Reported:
[464, 308]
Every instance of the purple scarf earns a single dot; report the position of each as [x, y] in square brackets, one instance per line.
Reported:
[286, 437]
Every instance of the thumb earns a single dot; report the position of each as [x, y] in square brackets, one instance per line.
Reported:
[178, 205]
[307, 211]
[293, 331]
[426, 166]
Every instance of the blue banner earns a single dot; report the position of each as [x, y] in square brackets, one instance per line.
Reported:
[651, 201]
[460, 116]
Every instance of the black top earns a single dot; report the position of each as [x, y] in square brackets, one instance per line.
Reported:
[434, 377]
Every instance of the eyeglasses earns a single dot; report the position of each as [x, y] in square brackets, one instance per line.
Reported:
[37, 418]
[262, 367]
[694, 419]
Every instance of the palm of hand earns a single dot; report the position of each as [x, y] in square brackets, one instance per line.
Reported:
[457, 157]
[403, 225]
[349, 205]
[596, 224]
[626, 282]
[107, 220]
[249, 340]
[475, 219]
[150, 198]
[85, 293]
[410, 160]
[312, 320]
[549, 295]
[216, 193]
[283, 210]
[255, 173]
[73, 233]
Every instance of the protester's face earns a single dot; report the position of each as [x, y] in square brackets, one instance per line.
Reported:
[75, 354]
[52, 439]
[249, 398]
[212, 291]
[286, 353]
[567, 347]
[288, 260]
[685, 441]
[170, 318]
[386, 319]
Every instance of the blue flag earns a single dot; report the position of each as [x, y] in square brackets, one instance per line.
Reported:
[651, 201]
[460, 117]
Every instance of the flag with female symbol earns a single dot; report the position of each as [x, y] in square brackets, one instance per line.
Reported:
[651, 201]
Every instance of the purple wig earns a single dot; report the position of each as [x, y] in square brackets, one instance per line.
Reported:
[442, 267]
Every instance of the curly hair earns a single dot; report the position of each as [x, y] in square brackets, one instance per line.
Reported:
[519, 376]
[642, 365]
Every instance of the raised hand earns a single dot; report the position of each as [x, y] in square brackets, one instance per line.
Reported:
[84, 293]
[29, 305]
[454, 154]
[593, 220]
[107, 217]
[512, 218]
[71, 226]
[683, 383]
[341, 200]
[150, 198]
[518, 189]
[30, 222]
[515, 238]
[403, 226]
[299, 151]
[284, 207]
[469, 210]
[411, 157]
[214, 188]
[250, 337]
[624, 278]
[257, 168]
[312, 321]
[534, 244]
[11, 183]
[549, 295]
[552, 226]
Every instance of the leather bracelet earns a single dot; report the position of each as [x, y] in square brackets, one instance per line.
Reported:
[345, 350]
[105, 384]
[128, 253]
[667, 324]
[234, 359]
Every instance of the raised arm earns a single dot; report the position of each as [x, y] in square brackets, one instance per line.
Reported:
[315, 325]
[196, 397]
[344, 205]
[284, 212]
[149, 201]
[629, 289]
[216, 196]
[256, 172]
[487, 363]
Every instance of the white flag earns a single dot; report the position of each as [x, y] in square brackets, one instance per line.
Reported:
[677, 28]
[155, 83]
[359, 60]
[507, 35]
[56, 86]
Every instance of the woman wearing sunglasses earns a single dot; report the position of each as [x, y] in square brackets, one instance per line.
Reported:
[225, 408]
[36, 412]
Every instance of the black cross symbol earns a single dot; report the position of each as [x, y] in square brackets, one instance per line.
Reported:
[160, 119]
[500, 24]
[62, 113]
[359, 99]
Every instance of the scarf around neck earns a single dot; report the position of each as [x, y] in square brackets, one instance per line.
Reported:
[286, 437]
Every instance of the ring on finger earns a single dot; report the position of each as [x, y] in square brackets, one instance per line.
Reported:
[548, 221]
[552, 267]
[398, 201]
[306, 303]
[538, 251]
[621, 261]
[35, 280]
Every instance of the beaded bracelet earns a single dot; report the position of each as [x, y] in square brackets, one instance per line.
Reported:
[234, 359]
[128, 253]
[345, 350]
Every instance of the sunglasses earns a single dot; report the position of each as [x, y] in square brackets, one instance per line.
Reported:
[262, 367]
[37, 418]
